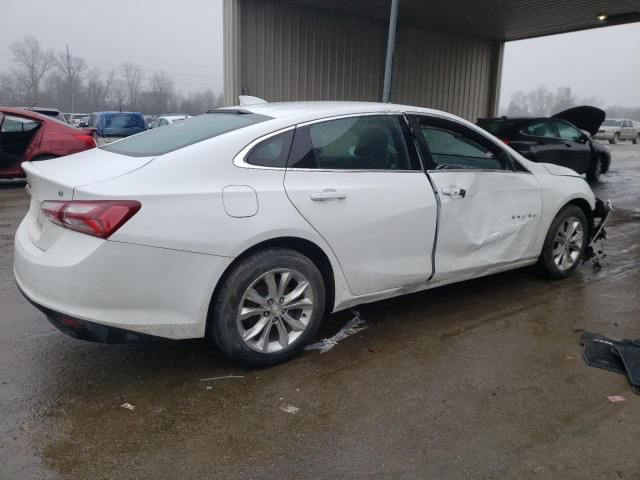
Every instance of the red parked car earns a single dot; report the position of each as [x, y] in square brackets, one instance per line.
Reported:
[27, 136]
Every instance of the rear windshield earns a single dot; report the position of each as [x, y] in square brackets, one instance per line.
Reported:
[611, 123]
[174, 136]
[497, 126]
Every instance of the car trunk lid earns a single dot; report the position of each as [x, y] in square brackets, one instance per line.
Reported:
[57, 179]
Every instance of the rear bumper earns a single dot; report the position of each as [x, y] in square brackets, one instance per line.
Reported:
[89, 331]
[109, 286]
[604, 135]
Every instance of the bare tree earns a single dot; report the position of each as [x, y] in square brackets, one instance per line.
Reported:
[72, 70]
[119, 93]
[162, 92]
[33, 63]
[132, 75]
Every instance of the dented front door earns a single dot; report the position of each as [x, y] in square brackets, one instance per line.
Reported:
[487, 219]
[489, 206]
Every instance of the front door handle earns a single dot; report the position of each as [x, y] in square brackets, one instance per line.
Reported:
[328, 194]
[454, 191]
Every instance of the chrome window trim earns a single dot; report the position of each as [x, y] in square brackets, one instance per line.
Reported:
[240, 159]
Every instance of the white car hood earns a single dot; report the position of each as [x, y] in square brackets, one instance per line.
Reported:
[560, 171]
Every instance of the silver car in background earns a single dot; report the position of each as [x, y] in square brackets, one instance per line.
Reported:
[614, 130]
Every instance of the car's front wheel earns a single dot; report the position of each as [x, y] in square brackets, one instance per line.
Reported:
[597, 167]
[615, 139]
[268, 308]
[636, 139]
[565, 244]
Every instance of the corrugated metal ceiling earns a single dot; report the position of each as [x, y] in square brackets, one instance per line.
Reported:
[494, 19]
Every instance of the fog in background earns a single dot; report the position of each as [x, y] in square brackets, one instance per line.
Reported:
[601, 66]
[176, 44]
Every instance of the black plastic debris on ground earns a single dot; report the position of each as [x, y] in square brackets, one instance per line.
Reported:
[616, 356]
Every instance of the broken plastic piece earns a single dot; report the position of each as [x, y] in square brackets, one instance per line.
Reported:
[128, 406]
[355, 325]
[620, 357]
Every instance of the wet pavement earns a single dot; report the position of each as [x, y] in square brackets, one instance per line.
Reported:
[480, 380]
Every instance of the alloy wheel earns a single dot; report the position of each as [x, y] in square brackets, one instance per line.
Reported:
[275, 310]
[568, 243]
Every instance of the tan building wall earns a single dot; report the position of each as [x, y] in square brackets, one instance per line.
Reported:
[281, 51]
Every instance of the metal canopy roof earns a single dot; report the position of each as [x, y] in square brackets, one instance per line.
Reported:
[494, 19]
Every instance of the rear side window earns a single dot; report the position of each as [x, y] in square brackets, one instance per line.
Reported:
[540, 128]
[174, 136]
[272, 152]
[13, 124]
[375, 142]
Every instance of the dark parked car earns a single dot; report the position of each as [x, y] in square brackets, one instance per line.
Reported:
[27, 136]
[564, 139]
[111, 126]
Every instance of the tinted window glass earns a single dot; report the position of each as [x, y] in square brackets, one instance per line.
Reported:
[356, 143]
[611, 123]
[181, 134]
[18, 124]
[540, 128]
[273, 152]
[568, 132]
[454, 149]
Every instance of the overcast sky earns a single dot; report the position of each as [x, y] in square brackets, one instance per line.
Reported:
[602, 63]
[181, 38]
[184, 39]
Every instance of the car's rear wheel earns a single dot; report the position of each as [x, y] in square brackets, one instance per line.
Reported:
[565, 244]
[636, 139]
[615, 139]
[268, 308]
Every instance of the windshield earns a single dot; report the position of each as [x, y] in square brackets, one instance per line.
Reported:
[497, 126]
[611, 123]
[174, 136]
[120, 124]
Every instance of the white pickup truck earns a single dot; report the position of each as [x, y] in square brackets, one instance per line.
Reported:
[614, 130]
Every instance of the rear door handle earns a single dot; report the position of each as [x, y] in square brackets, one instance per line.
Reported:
[454, 191]
[328, 194]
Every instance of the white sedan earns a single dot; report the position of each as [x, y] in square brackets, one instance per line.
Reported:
[248, 224]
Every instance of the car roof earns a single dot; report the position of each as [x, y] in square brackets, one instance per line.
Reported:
[26, 113]
[308, 111]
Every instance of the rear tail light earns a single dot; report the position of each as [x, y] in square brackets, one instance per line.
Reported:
[100, 218]
[88, 140]
[506, 141]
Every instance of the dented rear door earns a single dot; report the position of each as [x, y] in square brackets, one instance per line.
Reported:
[489, 212]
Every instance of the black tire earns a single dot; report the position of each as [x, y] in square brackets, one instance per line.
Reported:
[223, 325]
[636, 139]
[597, 168]
[43, 157]
[546, 266]
[615, 139]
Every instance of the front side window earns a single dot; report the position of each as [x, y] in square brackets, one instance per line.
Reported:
[174, 136]
[567, 131]
[454, 146]
[372, 142]
[540, 128]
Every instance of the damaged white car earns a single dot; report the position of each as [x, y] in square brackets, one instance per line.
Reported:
[247, 225]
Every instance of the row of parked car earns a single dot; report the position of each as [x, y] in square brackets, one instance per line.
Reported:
[33, 134]
[567, 138]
